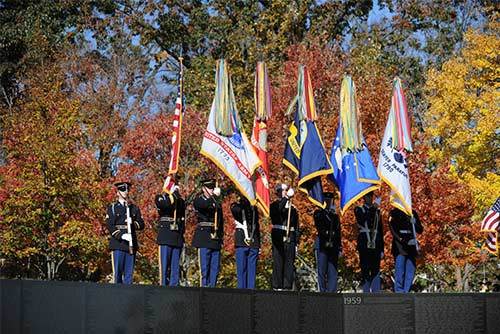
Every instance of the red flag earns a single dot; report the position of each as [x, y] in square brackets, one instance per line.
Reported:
[176, 136]
[262, 96]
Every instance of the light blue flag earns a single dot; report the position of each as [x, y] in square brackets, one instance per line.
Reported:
[353, 173]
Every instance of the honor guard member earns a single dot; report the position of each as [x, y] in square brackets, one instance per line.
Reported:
[284, 236]
[370, 242]
[123, 219]
[246, 241]
[327, 245]
[404, 247]
[170, 240]
[209, 232]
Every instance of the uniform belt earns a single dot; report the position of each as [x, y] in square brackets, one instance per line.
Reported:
[283, 227]
[121, 227]
[206, 224]
[405, 231]
[166, 219]
[164, 225]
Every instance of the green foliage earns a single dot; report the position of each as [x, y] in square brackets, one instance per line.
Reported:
[51, 193]
[31, 30]
[417, 36]
[242, 32]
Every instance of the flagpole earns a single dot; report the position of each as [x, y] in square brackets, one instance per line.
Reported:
[181, 81]
[412, 220]
[173, 166]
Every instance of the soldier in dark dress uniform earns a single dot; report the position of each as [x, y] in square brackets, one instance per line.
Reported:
[370, 242]
[404, 247]
[209, 232]
[170, 239]
[123, 219]
[327, 245]
[284, 242]
[246, 241]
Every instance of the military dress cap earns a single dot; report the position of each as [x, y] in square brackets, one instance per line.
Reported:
[209, 183]
[280, 187]
[123, 185]
[120, 183]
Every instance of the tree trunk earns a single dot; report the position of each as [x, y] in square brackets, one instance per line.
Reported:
[459, 279]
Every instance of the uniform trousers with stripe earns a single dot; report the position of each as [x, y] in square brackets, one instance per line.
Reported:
[209, 266]
[169, 265]
[404, 272]
[123, 266]
[246, 266]
[327, 260]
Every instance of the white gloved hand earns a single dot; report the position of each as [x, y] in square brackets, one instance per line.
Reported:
[412, 242]
[290, 192]
[127, 237]
[175, 187]
[217, 191]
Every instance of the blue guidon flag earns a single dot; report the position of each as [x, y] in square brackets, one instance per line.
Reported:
[304, 150]
[353, 171]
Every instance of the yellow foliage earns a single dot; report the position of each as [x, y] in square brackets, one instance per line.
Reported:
[484, 191]
[462, 118]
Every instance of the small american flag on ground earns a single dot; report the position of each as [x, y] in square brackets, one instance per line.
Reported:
[491, 224]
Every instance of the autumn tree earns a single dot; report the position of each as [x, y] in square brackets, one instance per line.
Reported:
[462, 119]
[50, 195]
[30, 34]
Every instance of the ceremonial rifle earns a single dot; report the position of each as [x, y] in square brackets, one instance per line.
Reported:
[129, 230]
[371, 242]
[213, 235]
[286, 238]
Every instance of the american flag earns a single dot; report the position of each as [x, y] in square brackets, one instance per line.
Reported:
[491, 224]
[176, 137]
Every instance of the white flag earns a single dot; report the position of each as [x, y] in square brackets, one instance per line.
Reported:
[233, 155]
[392, 163]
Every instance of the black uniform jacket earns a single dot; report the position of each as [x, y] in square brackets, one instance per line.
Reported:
[279, 217]
[402, 232]
[252, 219]
[328, 227]
[170, 212]
[116, 222]
[365, 216]
[205, 210]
